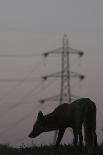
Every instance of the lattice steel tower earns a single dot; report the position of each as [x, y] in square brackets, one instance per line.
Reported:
[66, 74]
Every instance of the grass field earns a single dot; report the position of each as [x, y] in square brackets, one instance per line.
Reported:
[46, 150]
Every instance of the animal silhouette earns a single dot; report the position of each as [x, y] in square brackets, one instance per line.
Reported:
[74, 115]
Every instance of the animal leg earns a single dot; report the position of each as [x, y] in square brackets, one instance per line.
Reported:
[80, 138]
[95, 140]
[75, 140]
[80, 141]
[60, 135]
[77, 129]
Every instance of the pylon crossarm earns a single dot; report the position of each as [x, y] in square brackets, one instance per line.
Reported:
[60, 51]
[74, 51]
[77, 75]
[57, 74]
[56, 51]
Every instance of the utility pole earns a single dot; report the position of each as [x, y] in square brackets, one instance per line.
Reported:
[65, 74]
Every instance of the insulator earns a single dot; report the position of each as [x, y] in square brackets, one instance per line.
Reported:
[81, 53]
[44, 77]
[42, 101]
[46, 54]
[82, 77]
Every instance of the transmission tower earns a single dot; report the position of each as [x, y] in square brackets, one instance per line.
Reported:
[65, 74]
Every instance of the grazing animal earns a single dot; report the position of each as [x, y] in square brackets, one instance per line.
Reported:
[74, 115]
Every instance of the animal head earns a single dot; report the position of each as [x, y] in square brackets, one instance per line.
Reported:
[38, 127]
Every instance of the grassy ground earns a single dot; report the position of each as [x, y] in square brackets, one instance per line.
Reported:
[46, 150]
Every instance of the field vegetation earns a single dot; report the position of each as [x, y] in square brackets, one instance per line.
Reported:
[47, 150]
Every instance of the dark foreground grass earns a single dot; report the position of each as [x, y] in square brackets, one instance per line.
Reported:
[46, 150]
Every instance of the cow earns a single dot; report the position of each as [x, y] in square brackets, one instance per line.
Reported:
[74, 115]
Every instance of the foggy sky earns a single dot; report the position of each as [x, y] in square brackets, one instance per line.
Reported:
[35, 26]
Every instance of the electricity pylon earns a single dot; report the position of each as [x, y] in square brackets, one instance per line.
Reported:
[65, 74]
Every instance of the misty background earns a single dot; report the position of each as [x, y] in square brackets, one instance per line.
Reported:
[34, 27]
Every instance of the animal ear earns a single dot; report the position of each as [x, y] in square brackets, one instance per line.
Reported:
[40, 115]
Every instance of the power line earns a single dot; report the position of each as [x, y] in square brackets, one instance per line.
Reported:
[17, 104]
[19, 55]
[12, 107]
[16, 123]
[18, 84]
[27, 116]
[48, 84]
